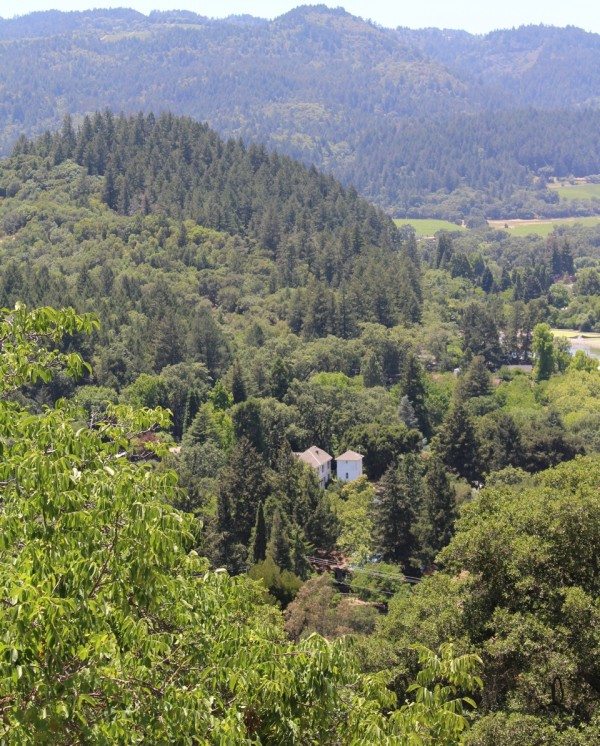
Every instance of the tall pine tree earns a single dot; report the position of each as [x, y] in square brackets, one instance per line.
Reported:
[396, 508]
[437, 513]
[457, 444]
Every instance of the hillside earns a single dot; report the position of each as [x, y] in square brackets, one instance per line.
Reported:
[236, 308]
[404, 116]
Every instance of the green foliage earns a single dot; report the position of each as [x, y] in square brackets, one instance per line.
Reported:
[457, 445]
[381, 445]
[282, 585]
[396, 509]
[437, 512]
[376, 582]
[26, 336]
[353, 506]
[543, 352]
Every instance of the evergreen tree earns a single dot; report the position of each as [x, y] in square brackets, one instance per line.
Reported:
[279, 545]
[480, 332]
[192, 405]
[110, 191]
[322, 527]
[566, 259]
[543, 352]
[168, 346]
[476, 380]
[238, 385]
[220, 398]
[243, 485]
[371, 370]
[487, 280]
[444, 250]
[406, 413]
[413, 386]
[457, 444]
[259, 535]
[395, 510]
[437, 513]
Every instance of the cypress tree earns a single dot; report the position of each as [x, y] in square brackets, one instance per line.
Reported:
[279, 546]
[259, 535]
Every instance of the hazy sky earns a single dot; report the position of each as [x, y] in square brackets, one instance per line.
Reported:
[472, 15]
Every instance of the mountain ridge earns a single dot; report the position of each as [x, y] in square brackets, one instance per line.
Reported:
[330, 89]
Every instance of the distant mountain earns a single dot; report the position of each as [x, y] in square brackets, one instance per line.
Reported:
[539, 66]
[421, 122]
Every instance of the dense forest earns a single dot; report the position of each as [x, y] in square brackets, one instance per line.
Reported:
[171, 570]
[423, 123]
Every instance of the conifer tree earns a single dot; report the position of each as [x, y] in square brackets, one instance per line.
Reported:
[243, 486]
[457, 444]
[476, 380]
[371, 370]
[543, 351]
[322, 528]
[110, 192]
[444, 250]
[396, 509]
[238, 385]
[190, 410]
[437, 513]
[259, 535]
[279, 545]
[220, 398]
[280, 378]
[413, 386]
[406, 413]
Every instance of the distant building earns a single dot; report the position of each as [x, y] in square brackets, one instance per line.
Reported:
[349, 466]
[320, 461]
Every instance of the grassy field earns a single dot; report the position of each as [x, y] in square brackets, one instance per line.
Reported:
[540, 227]
[581, 190]
[428, 227]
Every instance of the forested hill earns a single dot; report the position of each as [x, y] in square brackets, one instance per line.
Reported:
[184, 169]
[156, 223]
[410, 118]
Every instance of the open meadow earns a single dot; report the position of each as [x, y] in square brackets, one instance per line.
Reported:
[426, 227]
[580, 190]
[541, 226]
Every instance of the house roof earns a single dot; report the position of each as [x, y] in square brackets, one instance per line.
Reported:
[315, 456]
[350, 456]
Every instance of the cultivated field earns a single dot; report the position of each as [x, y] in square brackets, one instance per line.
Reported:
[428, 227]
[541, 227]
[577, 191]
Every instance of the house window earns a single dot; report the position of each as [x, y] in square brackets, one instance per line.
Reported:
[346, 475]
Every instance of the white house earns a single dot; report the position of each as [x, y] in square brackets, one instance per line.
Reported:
[320, 461]
[349, 466]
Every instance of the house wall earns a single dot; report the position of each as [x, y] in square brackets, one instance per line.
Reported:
[348, 471]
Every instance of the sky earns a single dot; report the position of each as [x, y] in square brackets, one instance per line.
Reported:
[477, 16]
